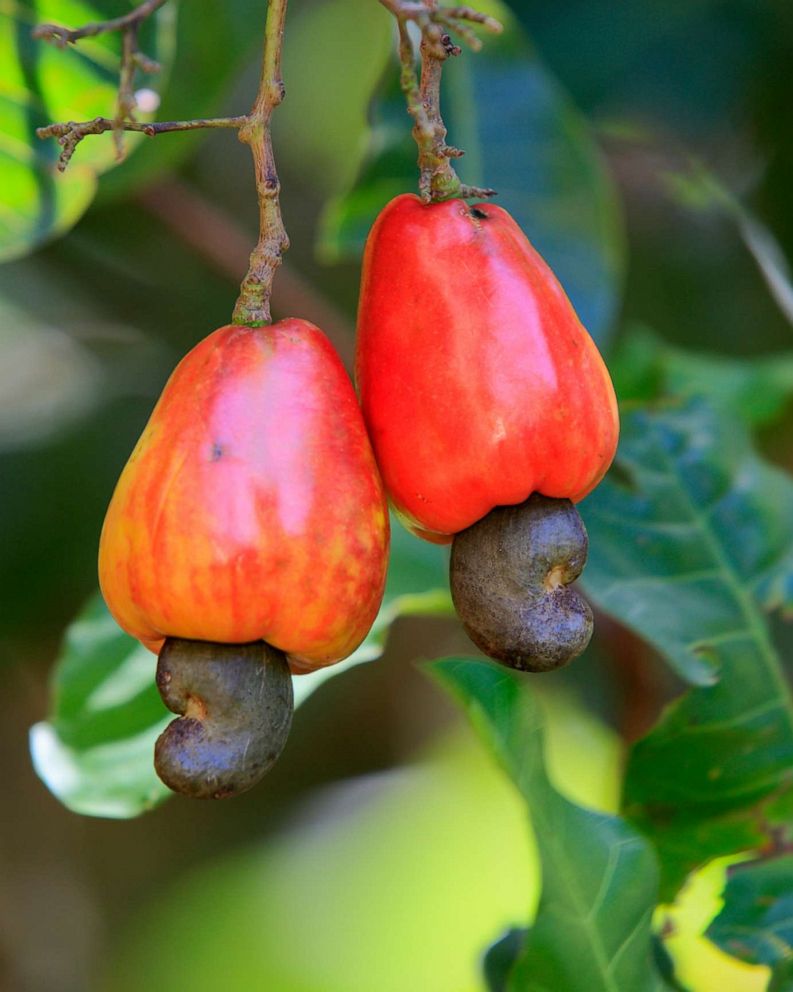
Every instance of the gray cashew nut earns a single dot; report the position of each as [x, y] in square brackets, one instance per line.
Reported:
[235, 702]
[510, 578]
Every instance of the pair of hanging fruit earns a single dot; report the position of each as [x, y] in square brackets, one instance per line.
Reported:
[248, 533]
[247, 538]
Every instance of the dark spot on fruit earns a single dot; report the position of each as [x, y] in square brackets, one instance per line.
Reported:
[217, 452]
[479, 214]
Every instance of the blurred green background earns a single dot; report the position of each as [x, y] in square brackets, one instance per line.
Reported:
[385, 850]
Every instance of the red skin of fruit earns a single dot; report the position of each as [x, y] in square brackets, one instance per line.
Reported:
[478, 382]
[251, 507]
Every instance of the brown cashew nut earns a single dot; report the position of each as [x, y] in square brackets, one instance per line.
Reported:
[235, 702]
[510, 578]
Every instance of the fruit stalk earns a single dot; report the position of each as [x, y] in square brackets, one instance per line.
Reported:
[438, 179]
[253, 304]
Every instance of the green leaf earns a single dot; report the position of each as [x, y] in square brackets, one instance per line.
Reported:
[691, 541]
[757, 390]
[691, 537]
[536, 151]
[756, 923]
[41, 84]
[501, 957]
[95, 751]
[782, 977]
[599, 876]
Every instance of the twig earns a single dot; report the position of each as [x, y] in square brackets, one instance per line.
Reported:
[62, 37]
[253, 304]
[71, 133]
[125, 101]
[437, 177]
[131, 60]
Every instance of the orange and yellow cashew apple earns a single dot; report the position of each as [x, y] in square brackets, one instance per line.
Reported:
[480, 387]
[250, 510]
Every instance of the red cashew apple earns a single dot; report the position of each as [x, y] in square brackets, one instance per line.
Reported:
[251, 510]
[478, 382]
[481, 390]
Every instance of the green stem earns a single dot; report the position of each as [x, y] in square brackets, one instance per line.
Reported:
[253, 304]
